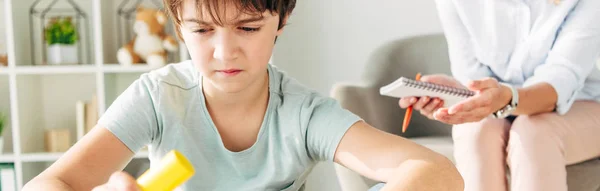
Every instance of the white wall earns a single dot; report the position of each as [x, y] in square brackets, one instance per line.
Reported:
[328, 41]
[2, 29]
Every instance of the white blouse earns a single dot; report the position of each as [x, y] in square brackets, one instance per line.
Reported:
[525, 42]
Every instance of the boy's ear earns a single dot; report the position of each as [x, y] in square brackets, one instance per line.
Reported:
[283, 24]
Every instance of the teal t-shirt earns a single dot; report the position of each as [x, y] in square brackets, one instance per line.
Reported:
[165, 109]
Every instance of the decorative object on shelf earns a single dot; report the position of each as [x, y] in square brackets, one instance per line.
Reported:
[151, 43]
[61, 37]
[3, 60]
[126, 12]
[91, 114]
[86, 113]
[65, 32]
[58, 140]
[8, 180]
[2, 125]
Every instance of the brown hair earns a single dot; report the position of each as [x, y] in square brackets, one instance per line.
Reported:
[217, 8]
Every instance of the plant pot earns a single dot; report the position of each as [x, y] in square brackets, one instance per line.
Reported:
[59, 54]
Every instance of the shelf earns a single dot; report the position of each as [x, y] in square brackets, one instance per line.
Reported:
[78, 69]
[115, 84]
[40, 157]
[66, 69]
[42, 97]
[51, 157]
[3, 70]
[7, 158]
[136, 68]
[6, 145]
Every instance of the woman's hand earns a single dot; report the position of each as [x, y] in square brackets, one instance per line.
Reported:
[490, 96]
[119, 181]
[426, 105]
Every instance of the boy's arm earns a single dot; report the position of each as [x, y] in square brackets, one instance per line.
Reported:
[400, 163]
[87, 164]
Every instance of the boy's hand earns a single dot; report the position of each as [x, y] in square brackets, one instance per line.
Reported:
[119, 181]
[426, 105]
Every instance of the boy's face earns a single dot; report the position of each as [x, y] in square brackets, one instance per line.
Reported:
[233, 56]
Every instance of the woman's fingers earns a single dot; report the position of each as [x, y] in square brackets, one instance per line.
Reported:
[421, 103]
[432, 105]
[407, 102]
[426, 105]
[443, 116]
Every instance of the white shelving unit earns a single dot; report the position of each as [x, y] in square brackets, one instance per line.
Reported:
[40, 97]
[49, 157]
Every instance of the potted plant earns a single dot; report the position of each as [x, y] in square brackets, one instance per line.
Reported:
[61, 36]
[2, 124]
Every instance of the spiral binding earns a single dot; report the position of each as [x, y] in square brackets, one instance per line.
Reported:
[438, 88]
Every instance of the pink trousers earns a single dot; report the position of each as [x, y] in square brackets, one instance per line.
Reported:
[535, 149]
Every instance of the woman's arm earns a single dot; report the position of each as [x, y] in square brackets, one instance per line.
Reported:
[490, 97]
[89, 163]
[463, 63]
[570, 61]
[402, 164]
[538, 98]
[554, 85]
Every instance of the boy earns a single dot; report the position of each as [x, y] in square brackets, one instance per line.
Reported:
[242, 123]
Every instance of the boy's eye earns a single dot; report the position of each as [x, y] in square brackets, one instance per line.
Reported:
[249, 29]
[201, 31]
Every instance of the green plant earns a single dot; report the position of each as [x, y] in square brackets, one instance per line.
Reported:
[61, 31]
[2, 119]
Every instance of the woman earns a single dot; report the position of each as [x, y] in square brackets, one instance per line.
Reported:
[532, 64]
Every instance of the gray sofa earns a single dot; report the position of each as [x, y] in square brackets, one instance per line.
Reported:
[405, 57]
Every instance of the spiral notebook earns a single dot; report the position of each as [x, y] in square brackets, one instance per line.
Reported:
[405, 87]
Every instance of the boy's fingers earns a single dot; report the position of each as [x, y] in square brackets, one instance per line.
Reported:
[123, 181]
[101, 188]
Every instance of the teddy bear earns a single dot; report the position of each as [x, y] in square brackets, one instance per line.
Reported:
[151, 43]
[3, 60]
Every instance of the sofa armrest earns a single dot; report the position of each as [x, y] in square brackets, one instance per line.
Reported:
[351, 96]
[352, 181]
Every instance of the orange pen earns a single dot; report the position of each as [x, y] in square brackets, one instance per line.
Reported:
[409, 110]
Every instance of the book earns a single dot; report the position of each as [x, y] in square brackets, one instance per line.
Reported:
[80, 118]
[7, 177]
[91, 114]
[405, 87]
[58, 140]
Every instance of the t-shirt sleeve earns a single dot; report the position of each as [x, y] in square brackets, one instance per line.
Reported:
[132, 116]
[326, 124]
